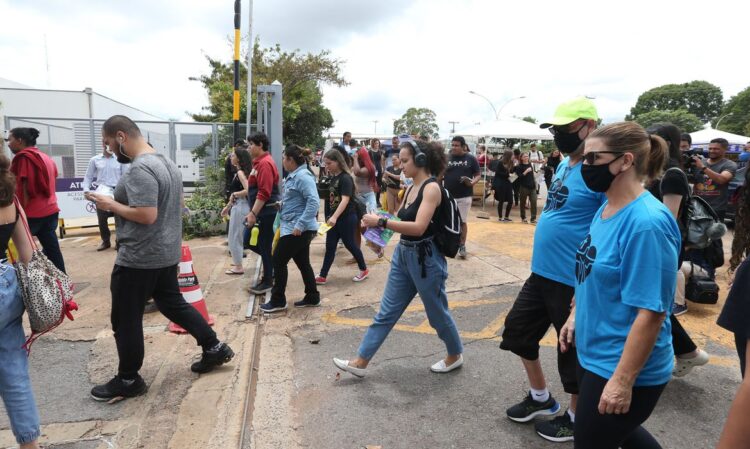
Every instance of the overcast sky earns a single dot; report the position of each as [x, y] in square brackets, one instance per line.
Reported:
[423, 53]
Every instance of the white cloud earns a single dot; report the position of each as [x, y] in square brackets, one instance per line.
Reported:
[398, 54]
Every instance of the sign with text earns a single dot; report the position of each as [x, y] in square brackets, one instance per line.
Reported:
[70, 199]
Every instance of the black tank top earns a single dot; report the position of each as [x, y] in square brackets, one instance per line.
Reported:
[6, 231]
[410, 213]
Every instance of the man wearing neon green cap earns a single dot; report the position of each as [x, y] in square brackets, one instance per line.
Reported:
[547, 295]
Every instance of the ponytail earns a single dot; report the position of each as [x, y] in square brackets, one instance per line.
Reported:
[657, 156]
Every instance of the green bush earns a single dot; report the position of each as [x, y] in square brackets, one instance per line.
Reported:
[205, 204]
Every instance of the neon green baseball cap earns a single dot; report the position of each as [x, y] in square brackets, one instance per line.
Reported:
[571, 111]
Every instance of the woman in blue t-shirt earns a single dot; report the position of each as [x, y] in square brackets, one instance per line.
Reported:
[626, 274]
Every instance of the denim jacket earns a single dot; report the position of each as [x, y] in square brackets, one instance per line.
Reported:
[300, 204]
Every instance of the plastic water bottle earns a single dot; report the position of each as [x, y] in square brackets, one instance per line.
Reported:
[254, 236]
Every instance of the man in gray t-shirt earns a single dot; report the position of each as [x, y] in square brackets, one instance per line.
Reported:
[152, 181]
[147, 205]
[717, 172]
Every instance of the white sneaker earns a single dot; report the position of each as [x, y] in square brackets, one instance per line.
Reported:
[683, 366]
[440, 366]
[343, 365]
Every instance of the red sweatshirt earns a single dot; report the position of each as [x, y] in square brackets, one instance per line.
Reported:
[264, 177]
[38, 172]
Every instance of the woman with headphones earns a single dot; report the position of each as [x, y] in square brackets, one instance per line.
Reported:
[417, 265]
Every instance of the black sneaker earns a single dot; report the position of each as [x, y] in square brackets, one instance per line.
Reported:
[307, 303]
[527, 409]
[559, 429]
[261, 287]
[213, 358]
[272, 308]
[118, 388]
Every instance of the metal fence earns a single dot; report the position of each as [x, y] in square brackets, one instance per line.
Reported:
[73, 142]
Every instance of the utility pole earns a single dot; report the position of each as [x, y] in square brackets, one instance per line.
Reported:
[250, 48]
[453, 124]
[376, 126]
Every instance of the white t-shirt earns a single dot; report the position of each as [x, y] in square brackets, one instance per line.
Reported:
[537, 159]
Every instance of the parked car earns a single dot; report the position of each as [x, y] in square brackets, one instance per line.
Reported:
[736, 186]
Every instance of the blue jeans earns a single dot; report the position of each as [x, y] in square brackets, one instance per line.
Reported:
[404, 282]
[265, 241]
[15, 384]
[368, 198]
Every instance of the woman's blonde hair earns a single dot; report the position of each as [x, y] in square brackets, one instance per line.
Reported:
[649, 151]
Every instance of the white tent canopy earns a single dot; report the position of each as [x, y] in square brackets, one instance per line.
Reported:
[705, 136]
[506, 128]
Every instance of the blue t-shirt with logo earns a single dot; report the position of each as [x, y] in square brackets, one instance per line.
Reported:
[563, 224]
[627, 262]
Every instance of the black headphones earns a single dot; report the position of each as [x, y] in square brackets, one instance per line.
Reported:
[420, 159]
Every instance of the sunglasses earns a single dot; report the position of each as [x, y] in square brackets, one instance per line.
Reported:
[567, 129]
[591, 158]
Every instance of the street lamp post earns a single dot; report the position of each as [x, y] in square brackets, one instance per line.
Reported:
[506, 103]
[488, 101]
[722, 118]
[497, 111]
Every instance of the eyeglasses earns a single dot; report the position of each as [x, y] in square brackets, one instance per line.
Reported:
[567, 129]
[592, 157]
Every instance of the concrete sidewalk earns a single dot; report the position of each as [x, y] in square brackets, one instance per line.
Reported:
[181, 409]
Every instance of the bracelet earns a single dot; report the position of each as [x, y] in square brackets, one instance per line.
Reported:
[382, 223]
[254, 214]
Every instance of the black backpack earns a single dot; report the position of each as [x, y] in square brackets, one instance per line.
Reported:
[699, 224]
[447, 225]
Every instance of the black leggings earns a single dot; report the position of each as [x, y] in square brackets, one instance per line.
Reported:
[596, 431]
[681, 341]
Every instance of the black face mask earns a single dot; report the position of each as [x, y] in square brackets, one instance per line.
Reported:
[598, 178]
[567, 143]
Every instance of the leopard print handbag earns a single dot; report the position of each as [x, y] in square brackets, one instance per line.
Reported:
[47, 292]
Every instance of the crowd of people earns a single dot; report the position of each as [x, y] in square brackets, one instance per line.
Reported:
[608, 270]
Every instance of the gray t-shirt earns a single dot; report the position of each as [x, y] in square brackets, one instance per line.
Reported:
[151, 181]
[716, 195]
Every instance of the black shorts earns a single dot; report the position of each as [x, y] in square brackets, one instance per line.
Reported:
[540, 303]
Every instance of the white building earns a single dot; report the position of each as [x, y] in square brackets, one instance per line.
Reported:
[70, 122]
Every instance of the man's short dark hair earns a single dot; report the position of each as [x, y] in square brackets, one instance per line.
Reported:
[120, 123]
[460, 140]
[721, 141]
[517, 152]
[259, 139]
[686, 137]
[240, 142]
[347, 132]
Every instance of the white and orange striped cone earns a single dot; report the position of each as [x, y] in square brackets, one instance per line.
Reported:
[190, 289]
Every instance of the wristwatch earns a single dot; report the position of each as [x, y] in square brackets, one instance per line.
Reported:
[382, 222]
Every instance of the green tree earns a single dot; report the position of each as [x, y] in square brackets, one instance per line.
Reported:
[529, 119]
[683, 119]
[417, 121]
[301, 75]
[700, 98]
[736, 114]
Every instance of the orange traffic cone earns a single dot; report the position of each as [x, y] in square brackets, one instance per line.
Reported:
[190, 289]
